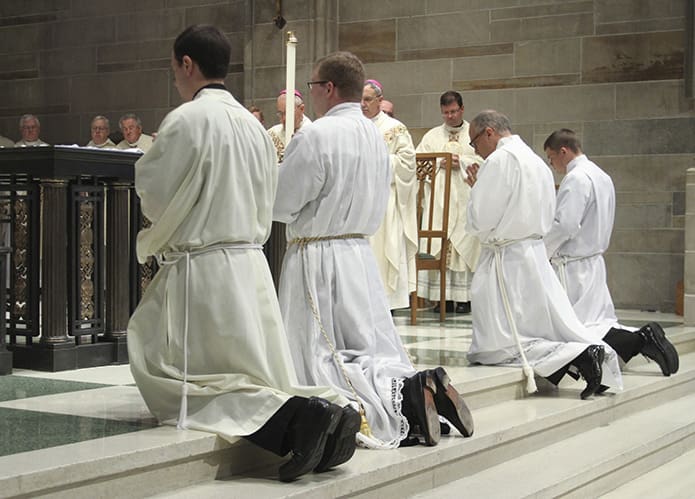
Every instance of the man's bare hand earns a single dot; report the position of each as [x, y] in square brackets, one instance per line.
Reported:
[455, 163]
[472, 173]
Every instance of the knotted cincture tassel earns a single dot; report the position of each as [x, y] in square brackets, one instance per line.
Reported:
[530, 379]
[364, 425]
[526, 367]
[183, 411]
[302, 242]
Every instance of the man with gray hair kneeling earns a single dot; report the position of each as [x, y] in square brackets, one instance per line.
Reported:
[521, 314]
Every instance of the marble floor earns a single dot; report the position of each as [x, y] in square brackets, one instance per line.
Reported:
[44, 415]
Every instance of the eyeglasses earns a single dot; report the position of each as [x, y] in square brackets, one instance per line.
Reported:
[317, 82]
[451, 113]
[472, 142]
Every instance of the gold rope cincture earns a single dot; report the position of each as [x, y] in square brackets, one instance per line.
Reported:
[302, 242]
[171, 258]
[526, 367]
[562, 261]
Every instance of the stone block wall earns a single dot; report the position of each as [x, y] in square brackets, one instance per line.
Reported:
[69, 60]
[611, 69]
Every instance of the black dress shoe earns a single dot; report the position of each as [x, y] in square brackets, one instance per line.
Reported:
[463, 307]
[309, 432]
[444, 428]
[340, 445]
[450, 404]
[419, 407]
[590, 367]
[449, 307]
[658, 348]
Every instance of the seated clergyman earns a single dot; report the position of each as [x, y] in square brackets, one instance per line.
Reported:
[100, 130]
[30, 130]
[133, 138]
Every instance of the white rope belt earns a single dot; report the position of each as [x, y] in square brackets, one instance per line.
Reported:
[496, 247]
[172, 258]
[561, 262]
[302, 243]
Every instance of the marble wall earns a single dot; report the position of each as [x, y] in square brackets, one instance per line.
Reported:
[611, 69]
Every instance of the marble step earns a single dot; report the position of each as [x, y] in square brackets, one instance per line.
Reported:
[508, 423]
[505, 431]
[673, 480]
[590, 463]
[484, 386]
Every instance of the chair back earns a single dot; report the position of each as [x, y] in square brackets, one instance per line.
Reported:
[430, 167]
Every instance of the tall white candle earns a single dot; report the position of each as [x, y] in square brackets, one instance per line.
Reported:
[289, 86]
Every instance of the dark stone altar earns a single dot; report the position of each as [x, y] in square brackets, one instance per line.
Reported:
[69, 217]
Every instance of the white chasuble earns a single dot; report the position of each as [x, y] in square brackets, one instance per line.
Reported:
[395, 242]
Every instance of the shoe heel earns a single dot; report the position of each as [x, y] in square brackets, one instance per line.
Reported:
[431, 384]
[442, 377]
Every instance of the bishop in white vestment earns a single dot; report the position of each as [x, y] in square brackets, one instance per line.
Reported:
[277, 132]
[395, 242]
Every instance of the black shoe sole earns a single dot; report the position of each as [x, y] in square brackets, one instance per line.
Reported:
[422, 390]
[450, 404]
[663, 349]
[341, 444]
[300, 465]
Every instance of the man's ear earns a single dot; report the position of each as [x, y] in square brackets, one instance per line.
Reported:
[187, 64]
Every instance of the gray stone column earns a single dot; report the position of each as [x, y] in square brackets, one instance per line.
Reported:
[689, 272]
[117, 261]
[54, 272]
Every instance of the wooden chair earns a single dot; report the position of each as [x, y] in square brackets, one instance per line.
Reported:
[429, 166]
